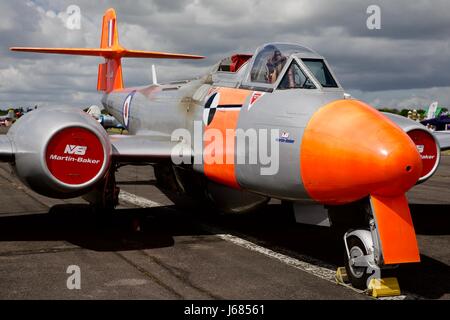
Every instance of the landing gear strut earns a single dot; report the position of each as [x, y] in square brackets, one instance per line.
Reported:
[105, 197]
[110, 192]
[360, 261]
[364, 262]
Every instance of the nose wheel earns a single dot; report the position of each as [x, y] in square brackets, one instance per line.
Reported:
[364, 257]
[360, 259]
[357, 274]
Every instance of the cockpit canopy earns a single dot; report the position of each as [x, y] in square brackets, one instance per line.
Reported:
[277, 66]
[270, 60]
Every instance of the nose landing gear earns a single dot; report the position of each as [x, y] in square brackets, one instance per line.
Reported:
[364, 261]
[364, 265]
[360, 258]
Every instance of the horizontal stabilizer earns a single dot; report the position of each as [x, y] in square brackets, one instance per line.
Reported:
[110, 72]
[108, 53]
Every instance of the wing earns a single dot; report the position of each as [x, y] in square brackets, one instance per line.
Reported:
[144, 148]
[125, 149]
[443, 138]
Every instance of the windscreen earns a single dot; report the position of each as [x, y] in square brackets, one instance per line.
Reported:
[320, 71]
[295, 79]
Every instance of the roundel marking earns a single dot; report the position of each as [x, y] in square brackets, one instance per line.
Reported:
[126, 109]
[210, 108]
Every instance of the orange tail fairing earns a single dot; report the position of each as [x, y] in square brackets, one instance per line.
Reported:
[110, 72]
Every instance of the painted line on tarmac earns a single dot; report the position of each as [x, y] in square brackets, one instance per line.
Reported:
[137, 200]
[316, 270]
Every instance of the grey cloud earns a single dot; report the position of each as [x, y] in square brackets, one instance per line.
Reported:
[410, 53]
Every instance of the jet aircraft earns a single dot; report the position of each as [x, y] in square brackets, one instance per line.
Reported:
[272, 124]
[8, 118]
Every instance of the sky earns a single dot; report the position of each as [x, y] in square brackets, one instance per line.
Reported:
[403, 64]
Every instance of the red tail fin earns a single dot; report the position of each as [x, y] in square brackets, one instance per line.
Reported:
[110, 37]
[110, 72]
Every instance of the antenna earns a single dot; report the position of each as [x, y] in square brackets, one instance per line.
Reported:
[155, 80]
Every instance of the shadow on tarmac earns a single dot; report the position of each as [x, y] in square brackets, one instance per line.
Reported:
[431, 219]
[78, 225]
[272, 228]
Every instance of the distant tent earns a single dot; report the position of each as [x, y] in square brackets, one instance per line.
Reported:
[441, 122]
[433, 111]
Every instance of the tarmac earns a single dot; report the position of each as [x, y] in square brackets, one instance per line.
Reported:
[149, 249]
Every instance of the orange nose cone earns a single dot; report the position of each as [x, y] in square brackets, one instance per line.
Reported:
[349, 150]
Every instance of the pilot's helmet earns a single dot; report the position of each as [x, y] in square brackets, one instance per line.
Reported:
[277, 57]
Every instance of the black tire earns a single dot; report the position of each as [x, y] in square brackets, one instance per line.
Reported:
[357, 275]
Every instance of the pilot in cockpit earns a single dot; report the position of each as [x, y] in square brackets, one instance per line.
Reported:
[275, 64]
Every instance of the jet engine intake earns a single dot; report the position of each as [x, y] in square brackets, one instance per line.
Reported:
[60, 153]
[426, 143]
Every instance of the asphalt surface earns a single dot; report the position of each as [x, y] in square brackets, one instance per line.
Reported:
[184, 254]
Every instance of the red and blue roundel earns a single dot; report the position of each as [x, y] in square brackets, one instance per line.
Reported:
[126, 108]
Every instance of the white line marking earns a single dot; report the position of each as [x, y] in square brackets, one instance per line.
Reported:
[228, 109]
[316, 270]
[321, 272]
[138, 201]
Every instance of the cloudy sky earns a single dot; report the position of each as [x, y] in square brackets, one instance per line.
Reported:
[406, 63]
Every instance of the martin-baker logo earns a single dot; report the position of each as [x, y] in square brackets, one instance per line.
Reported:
[421, 149]
[74, 149]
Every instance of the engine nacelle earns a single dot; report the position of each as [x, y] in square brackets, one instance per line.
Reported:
[425, 141]
[60, 153]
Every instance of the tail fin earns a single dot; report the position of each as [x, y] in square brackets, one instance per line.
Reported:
[110, 36]
[110, 72]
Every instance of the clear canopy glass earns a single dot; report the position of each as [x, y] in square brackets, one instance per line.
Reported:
[270, 60]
